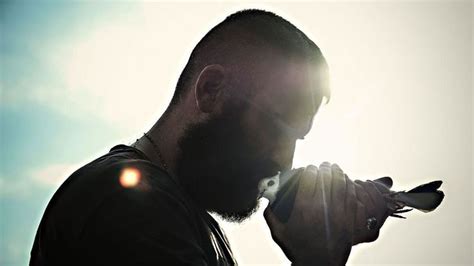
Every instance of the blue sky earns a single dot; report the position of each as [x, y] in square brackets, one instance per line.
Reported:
[79, 77]
[40, 141]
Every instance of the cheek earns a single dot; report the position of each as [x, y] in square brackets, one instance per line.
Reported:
[271, 143]
[259, 134]
[269, 146]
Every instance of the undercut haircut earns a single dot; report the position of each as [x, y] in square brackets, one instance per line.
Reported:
[227, 42]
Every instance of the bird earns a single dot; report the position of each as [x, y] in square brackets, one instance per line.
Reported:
[425, 197]
[281, 190]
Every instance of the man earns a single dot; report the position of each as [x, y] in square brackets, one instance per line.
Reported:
[249, 91]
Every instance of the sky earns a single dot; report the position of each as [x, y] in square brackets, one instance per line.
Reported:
[78, 78]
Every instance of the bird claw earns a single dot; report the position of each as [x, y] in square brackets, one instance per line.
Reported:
[402, 211]
[395, 206]
[397, 216]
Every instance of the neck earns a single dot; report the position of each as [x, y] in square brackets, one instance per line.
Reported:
[165, 134]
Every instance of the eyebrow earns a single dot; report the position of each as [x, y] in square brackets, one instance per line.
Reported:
[280, 122]
[289, 130]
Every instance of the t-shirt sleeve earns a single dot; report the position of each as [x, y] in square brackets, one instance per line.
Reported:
[145, 225]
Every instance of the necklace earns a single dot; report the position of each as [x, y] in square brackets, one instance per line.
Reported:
[155, 147]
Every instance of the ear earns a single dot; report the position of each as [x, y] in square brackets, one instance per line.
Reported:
[209, 87]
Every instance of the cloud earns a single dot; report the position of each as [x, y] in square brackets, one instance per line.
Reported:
[48, 177]
[113, 71]
[53, 175]
[15, 187]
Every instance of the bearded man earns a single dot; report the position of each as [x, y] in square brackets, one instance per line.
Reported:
[249, 91]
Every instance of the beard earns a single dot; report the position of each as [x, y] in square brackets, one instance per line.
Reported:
[220, 168]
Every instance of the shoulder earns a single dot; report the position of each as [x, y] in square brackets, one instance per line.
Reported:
[121, 175]
[120, 186]
[126, 209]
[140, 197]
[126, 182]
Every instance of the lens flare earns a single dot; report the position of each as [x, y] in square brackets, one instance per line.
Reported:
[130, 177]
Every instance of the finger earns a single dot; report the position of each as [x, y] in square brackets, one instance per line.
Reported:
[272, 221]
[382, 184]
[322, 195]
[379, 206]
[365, 198]
[380, 202]
[370, 211]
[351, 204]
[360, 225]
[323, 186]
[338, 195]
[306, 187]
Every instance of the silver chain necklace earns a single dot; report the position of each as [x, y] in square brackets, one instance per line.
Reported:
[155, 147]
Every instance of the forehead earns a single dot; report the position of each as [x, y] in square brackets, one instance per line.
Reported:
[288, 86]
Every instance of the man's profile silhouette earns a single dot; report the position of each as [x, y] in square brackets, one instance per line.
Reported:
[249, 91]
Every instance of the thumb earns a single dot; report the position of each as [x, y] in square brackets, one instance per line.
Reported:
[383, 184]
[272, 220]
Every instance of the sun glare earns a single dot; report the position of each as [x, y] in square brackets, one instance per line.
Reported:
[130, 177]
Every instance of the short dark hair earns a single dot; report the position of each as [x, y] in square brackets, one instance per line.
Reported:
[248, 27]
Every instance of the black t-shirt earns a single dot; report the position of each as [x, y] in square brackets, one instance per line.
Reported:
[93, 219]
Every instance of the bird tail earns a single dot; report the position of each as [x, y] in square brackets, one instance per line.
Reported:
[425, 197]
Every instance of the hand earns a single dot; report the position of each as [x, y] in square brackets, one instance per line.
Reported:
[370, 204]
[328, 217]
[321, 224]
